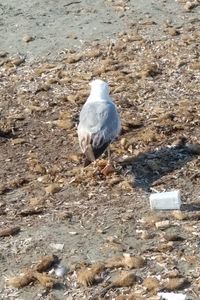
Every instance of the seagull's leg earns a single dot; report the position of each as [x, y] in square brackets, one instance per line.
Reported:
[109, 156]
[109, 167]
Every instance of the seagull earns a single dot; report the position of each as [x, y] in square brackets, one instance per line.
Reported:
[99, 124]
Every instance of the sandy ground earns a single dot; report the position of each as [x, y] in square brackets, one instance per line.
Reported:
[67, 24]
[149, 53]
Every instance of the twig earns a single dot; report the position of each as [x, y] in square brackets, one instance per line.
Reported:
[70, 3]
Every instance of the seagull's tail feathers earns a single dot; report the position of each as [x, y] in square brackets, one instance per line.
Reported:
[86, 163]
[89, 155]
[92, 154]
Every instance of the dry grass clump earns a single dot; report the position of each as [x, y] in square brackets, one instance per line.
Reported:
[35, 273]
[88, 276]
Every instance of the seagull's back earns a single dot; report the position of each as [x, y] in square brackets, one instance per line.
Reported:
[99, 122]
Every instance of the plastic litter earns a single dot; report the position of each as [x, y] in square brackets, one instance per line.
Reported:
[172, 296]
[165, 200]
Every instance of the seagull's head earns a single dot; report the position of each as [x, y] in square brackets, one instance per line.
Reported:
[99, 87]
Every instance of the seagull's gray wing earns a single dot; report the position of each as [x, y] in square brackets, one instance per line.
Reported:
[99, 125]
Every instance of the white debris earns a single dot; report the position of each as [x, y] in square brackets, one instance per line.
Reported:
[60, 271]
[162, 224]
[165, 200]
[58, 247]
[73, 232]
[172, 296]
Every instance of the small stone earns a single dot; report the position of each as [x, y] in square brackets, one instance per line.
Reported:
[193, 148]
[36, 201]
[3, 54]
[73, 232]
[173, 237]
[173, 31]
[58, 247]
[44, 179]
[27, 38]
[64, 124]
[164, 247]
[112, 239]
[173, 273]
[195, 66]
[150, 219]
[145, 235]
[39, 169]
[162, 224]
[102, 231]
[18, 61]
[53, 188]
[18, 141]
[179, 215]
[9, 231]
[189, 5]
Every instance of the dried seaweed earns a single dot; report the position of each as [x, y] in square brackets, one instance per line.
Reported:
[87, 276]
[45, 263]
[9, 231]
[21, 280]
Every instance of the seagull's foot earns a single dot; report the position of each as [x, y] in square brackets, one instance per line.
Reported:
[96, 168]
[109, 168]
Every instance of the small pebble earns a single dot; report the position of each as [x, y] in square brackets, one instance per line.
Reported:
[189, 5]
[3, 53]
[73, 232]
[27, 38]
[193, 148]
[58, 247]
[162, 224]
[18, 61]
[53, 188]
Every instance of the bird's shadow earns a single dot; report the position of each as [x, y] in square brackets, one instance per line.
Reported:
[149, 167]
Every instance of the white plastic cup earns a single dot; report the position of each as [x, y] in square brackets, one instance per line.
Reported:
[165, 200]
[172, 296]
